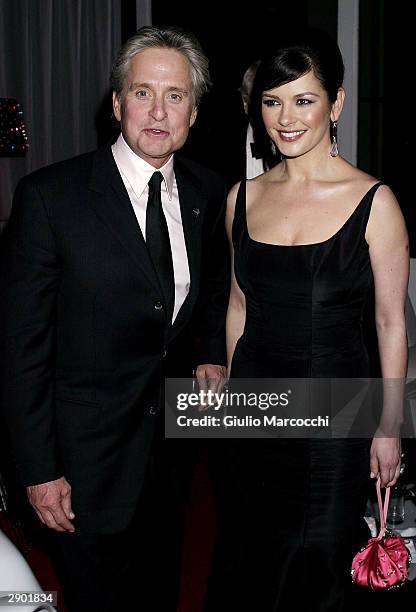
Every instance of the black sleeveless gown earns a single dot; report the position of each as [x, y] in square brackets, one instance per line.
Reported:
[289, 510]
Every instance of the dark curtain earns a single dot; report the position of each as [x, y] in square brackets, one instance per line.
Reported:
[55, 59]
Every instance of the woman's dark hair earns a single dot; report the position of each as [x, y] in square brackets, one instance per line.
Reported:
[312, 50]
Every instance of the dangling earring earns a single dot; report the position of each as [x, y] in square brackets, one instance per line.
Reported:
[273, 147]
[334, 145]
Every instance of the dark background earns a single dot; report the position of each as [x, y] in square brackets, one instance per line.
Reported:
[387, 127]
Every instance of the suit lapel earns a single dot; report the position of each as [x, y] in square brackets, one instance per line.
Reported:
[111, 203]
[192, 203]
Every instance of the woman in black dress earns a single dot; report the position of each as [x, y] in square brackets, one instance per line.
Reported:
[309, 238]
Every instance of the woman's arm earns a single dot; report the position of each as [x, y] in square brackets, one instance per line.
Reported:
[236, 313]
[389, 254]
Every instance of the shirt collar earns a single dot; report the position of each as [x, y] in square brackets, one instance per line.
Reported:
[137, 171]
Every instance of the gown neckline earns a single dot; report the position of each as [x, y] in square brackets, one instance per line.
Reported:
[310, 244]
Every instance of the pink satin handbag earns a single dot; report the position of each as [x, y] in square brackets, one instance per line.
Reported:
[384, 562]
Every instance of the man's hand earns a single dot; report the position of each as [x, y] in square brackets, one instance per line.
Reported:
[211, 378]
[52, 503]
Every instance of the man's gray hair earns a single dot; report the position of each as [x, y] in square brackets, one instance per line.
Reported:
[165, 37]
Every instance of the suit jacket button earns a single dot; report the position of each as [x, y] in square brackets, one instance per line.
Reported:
[158, 305]
[153, 410]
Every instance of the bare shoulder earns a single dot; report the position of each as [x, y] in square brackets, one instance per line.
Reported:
[358, 183]
[232, 197]
[386, 219]
[231, 202]
[258, 185]
[356, 180]
[385, 206]
[384, 200]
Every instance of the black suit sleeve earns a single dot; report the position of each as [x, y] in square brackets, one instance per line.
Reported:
[29, 281]
[215, 284]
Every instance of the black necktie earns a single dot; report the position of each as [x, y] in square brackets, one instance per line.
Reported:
[158, 243]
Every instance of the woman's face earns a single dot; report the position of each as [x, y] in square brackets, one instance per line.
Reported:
[297, 115]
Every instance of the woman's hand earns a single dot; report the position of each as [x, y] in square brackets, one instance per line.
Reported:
[385, 456]
[211, 378]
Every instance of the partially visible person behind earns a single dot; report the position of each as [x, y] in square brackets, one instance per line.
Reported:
[224, 140]
[310, 240]
[258, 158]
[255, 164]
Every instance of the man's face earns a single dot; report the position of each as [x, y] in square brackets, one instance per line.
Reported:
[156, 107]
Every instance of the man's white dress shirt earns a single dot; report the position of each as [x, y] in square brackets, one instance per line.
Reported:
[136, 173]
[254, 166]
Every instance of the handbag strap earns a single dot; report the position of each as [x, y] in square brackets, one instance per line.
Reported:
[382, 509]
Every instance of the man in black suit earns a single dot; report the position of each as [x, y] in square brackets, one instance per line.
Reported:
[103, 262]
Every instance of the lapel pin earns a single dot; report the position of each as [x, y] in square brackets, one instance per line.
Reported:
[196, 212]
